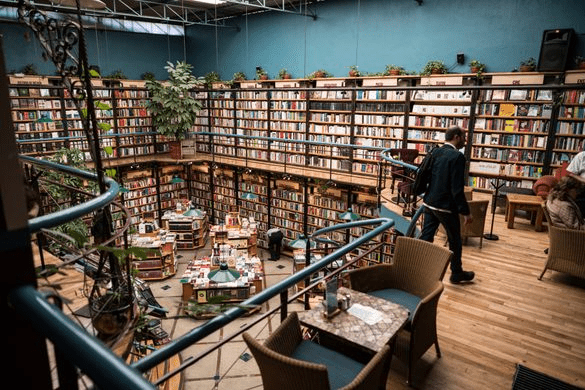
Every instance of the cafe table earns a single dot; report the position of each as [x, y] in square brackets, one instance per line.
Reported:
[363, 329]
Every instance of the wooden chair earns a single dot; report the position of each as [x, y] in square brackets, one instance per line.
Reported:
[414, 280]
[399, 172]
[478, 210]
[566, 252]
[286, 361]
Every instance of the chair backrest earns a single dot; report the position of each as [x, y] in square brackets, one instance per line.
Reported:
[478, 210]
[419, 264]
[280, 372]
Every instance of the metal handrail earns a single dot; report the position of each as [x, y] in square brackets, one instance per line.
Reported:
[62, 216]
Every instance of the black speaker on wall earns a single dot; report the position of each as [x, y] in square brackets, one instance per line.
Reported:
[554, 50]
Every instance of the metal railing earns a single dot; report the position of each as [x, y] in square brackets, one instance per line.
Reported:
[90, 356]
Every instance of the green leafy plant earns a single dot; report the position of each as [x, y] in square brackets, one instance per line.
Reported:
[476, 67]
[528, 64]
[210, 78]
[283, 74]
[29, 70]
[261, 74]
[173, 109]
[392, 69]
[354, 72]
[319, 74]
[117, 75]
[434, 67]
[239, 76]
[148, 76]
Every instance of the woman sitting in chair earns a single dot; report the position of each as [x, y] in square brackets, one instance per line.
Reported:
[561, 206]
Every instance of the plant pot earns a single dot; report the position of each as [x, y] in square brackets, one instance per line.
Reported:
[526, 68]
[581, 65]
[353, 73]
[437, 71]
[319, 75]
[286, 76]
[474, 69]
[394, 72]
[263, 77]
[175, 150]
[110, 318]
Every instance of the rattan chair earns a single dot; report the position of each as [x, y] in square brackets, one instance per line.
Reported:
[286, 361]
[566, 252]
[414, 280]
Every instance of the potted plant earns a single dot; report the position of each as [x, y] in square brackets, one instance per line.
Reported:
[173, 109]
[319, 74]
[393, 70]
[148, 76]
[434, 67]
[580, 62]
[239, 76]
[283, 74]
[475, 66]
[353, 71]
[210, 78]
[261, 74]
[528, 65]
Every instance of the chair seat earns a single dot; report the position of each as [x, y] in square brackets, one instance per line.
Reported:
[403, 298]
[341, 369]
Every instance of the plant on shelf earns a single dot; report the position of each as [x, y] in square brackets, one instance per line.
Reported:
[261, 74]
[210, 78]
[475, 66]
[393, 70]
[173, 109]
[239, 76]
[29, 70]
[354, 72]
[283, 74]
[148, 76]
[434, 67]
[117, 75]
[319, 74]
[528, 65]
[580, 62]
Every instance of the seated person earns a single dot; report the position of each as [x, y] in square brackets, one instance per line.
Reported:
[561, 205]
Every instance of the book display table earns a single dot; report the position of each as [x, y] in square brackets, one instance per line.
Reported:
[190, 227]
[244, 276]
[161, 261]
[241, 238]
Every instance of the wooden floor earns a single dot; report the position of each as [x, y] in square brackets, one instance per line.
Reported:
[506, 317]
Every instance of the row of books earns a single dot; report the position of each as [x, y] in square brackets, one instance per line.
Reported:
[516, 94]
[389, 120]
[570, 144]
[524, 141]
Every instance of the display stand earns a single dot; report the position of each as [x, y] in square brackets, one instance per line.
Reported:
[497, 186]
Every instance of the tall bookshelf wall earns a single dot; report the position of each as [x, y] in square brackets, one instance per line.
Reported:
[520, 126]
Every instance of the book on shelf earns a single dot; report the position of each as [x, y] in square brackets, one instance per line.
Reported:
[518, 94]
[533, 110]
[507, 109]
[509, 125]
[522, 109]
[544, 94]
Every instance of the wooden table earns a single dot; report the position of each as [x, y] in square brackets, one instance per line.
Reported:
[347, 328]
[524, 202]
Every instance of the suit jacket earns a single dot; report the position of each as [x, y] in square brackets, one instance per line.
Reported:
[446, 189]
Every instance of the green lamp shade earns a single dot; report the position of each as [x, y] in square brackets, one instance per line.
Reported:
[249, 196]
[223, 274]
[194, 213]
[44, 119]
[301, 243]
[124, 190]
[177, 179]
[348, 215]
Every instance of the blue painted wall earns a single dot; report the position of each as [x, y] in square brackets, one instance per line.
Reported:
[367, 33]
[134, 54]
[373, 33]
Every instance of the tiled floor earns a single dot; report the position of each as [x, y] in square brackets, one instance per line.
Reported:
[224, 368]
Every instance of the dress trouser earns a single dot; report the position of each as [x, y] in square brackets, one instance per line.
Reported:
[452, 225]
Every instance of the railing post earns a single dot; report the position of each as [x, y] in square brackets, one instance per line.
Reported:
[283, 305]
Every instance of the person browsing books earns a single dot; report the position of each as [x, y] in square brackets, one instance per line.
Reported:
[445, 200]
[275, 237]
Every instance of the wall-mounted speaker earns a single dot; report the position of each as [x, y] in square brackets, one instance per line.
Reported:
[554, 50]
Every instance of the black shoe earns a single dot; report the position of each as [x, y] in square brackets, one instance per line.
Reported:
[463, 276]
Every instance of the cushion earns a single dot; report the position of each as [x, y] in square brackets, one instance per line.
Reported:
[403, 298]
[341, 369]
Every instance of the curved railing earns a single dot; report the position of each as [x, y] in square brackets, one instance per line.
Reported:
[90, 355]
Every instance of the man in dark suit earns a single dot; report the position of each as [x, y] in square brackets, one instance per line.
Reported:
[445, 199]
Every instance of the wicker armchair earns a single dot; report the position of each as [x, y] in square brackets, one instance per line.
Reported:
[286, 361]
[566, 252]
[414, 280]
